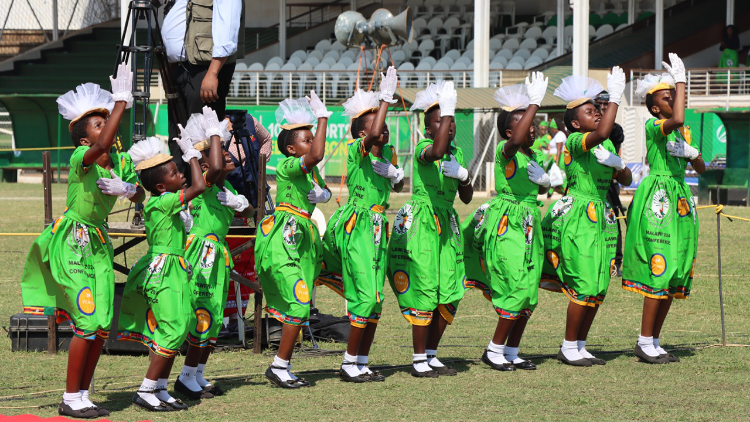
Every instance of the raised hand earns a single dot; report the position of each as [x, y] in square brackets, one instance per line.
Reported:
[317, 107]
[122, 85]
[388, 85]
[536, 88]
[616, 85]
[677, 69]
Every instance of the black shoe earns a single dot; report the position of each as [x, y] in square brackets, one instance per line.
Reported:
[426, 374]
[85, 413]
[526, 365]
[497, 366]
[100, 411]
[348, 378]
[177, 404]
[279, 382]
[580, 362]
[216, 391]
[190, 394]
[162, 407]
[646, 358]
[375, 376]
[670, 357]
[597, 361]
[447, 371]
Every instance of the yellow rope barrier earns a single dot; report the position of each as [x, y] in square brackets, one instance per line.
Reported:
[36, 149]
[231, 236]
[718, 209]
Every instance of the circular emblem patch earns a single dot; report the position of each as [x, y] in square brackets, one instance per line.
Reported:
[658, 265]
[562, 206]
[401, 281]
[660, 204]
[437, 224]
[301, 293]
[208, 256]
[528, 229]
[403, 220]
[454, 226]
[502, 226]
[683, 208]
[510, 169]
[290, 233]
[151, 321]
[377, 228]
[85, 301]
[203, 320]
[553, 259]
[591, 212]
[349, 226]
[267, 224]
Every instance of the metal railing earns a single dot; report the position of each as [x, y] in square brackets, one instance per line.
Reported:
[708, 87]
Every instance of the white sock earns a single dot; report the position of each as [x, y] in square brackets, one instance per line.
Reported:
[147, 392]
[647, 345]
[85, 398]
[161, 385]
[350, 365]
[362, 361]
[432, 359]
[569, 349]
[199, 376]
[582, 350]
[496, 353]
[511, 355]
[282, 372]
[74, 401]
[187, 377]
[423, 366]
[289, 370]
[659, 348]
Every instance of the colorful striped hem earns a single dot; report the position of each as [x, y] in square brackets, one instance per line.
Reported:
[146, 341]
[636, 287]
[448, 311]
[332, 281]
[555, 285]
[416, 317]
[513, 315]
[679, 292]
[474, 284]
[285, 319]
[199, 342]
[61, 316]
[357, 321]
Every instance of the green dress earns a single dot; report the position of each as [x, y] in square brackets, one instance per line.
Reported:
[288, 254]
[354, 250]
[580, 229]
[208, 254]
[503, 249]
[156, 305]
[662, 239]
[426, 252]
[68, 271]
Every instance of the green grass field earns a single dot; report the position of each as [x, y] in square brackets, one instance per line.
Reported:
[709, 384]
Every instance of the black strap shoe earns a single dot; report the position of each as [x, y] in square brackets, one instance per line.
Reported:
[670, 357]
[278, 381]
[426, 374]
[597, 361]
[85, 413]
[177, 404]
[140, 402]
[356, 379]
[183, 389]
[525, 365]
[100, 411]
[580, 362]
[216, 391]
[375, 376]
[638, 351]
[505, 367]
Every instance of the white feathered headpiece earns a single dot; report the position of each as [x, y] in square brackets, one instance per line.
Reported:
[194, 129]
[577, 89]
[149, 152]
[297, 114]
[87, 99]
[512, 97]
[360, 103]
[428, 98]
[652, 83]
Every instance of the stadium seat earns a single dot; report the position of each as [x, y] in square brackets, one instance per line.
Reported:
[465, 5]
[534, 32]
[330, 61]
[421, 76]
[611, 19]
[498, 61]
[272, 68]
[434, 25]
[532, 63]
[517, 59]
[337, 46]
[528, 43]
[346, 61]
[425, 48]
[446, 60]
[550, 34]
[429, 60]
[336, 77]
[275, 60]
[323, 45]
[568, 36]
[453, 54]
[317, 54]
[457, 72]
[523, 52]
[603, 31]
[410, 48]
[320, 75]
[592, 32]
[621, 26]
[312, 61]
[469, 54]
[540, 52]
[495, 44]
[332, 53]
[595, 19]
[398, 57]
[465, 60]
[237, 77]
[295, 60]
[507, 54]
[406, 78]
[285, 79]
[514, 66]
[441, 69]
[352, 76]
[506, 8]
[517, 30]
[301, 54]
[433, 7]
[511, 44]
[302, 77]
[352, 54]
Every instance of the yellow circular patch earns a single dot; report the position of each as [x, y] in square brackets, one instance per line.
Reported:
[301, 293]
[502, 227]
[437, 224]
[227, 260]
[401, 281]
[189, 241]
[510, 169]
[151, 321]
[567, 157]
[203, 320]
[183, 264]
[658, 265]
[267, 225]
[350, 223]
[212, 236]
[553, 259]
[692, 269]
[56, 224]
[591, 212]
[683, 208]
[85, 299]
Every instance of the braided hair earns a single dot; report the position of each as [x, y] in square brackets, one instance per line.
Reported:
[572, 114]
[285, 139]
[502, 121]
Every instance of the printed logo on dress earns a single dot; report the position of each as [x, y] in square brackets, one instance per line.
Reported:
[377, 228]
[562, 206]
[528, 229]
[401, 281]
[553, 259]
[157, 263]
[502, 226]
[609, 214]
[350, 223]
[301, 293]
[658, 264]
[290, 233]
[437, 224]
[403, 220]
[208, 256]
[85, 300]
[683, 208]
[151, 321]
[267, 224]
[591, 212]
[510, 169]
[660, 204]
[203, 320]
[454, 227]
[81, 235]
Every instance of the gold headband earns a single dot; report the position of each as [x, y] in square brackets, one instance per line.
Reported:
[433, 105]
[153, 162]
[296, 126]
[365, 111]
[88, 113]
[660, 86]
[575, 103]
[202, 145]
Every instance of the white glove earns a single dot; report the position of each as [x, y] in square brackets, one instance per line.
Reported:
[122, 85]
[454, 170]
[537, 174]
[317, 107]
[318, 194]
[186, 145]
[236, 202]
[211, 124]
[616, 85]
[608, 159]
[447, 98]
[677, 70]
[115, 186]
[187, 220]
[388, 170]
[536, 88]
[388, 85]
[682, 149]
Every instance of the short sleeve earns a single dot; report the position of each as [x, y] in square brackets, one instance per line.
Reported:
[127, 172]
[576, 144]
[420, 150]
[292, 168]
[655, 130]
[356, 150]
[76, 161]
[172, 203]
[317, 178]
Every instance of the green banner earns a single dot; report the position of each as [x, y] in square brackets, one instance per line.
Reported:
[707, 132]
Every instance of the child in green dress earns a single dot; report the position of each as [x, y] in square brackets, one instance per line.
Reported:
[580, 232]
[288, 253]
[425, 254]
[68, 271]
[662, 239]
[156, 303]
[354, 246]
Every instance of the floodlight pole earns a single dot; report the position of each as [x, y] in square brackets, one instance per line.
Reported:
[721, 291]
[580, 37]
[481, 43]
[282, 29]
[730, 12]
[659, 33]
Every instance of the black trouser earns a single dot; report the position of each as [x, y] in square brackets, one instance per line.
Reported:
[188, 79]
[615, 203]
